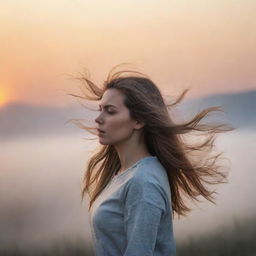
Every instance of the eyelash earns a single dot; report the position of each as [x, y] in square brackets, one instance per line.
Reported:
[110, 112]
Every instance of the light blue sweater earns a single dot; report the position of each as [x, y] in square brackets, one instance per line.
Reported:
[133, 216]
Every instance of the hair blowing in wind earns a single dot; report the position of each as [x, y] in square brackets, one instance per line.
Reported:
[192, 168]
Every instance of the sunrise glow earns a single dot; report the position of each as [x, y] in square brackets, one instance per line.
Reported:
[208, 46]
[3, 96]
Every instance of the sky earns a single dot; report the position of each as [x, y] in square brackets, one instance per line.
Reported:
[208, 46]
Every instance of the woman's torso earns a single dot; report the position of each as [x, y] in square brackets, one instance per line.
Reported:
[138, 196]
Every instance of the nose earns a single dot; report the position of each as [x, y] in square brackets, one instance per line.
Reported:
[99, 119]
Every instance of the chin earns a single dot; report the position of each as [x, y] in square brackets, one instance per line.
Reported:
[103, 142]
[106, 143]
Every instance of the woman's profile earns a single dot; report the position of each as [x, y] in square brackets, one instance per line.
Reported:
[144, 172]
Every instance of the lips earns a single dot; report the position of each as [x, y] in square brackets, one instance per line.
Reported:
[100, 131]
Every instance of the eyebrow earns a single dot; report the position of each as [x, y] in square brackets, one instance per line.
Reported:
[108, 105]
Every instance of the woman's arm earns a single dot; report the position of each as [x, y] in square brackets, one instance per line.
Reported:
[142, 221]
[144, 207]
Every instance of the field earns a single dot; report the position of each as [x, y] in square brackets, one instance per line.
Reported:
[238, 240]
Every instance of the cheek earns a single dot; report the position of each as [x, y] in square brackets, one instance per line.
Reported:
[120, 124]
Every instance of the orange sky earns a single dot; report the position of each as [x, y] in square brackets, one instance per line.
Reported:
[207, 45]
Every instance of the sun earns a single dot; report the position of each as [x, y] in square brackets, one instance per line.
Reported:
[3, 96]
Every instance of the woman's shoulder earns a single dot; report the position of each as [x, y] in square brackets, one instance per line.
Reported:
[149, 174]
[150, 170]
[149, 182]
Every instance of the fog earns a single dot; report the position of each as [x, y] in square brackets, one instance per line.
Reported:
[40, 185]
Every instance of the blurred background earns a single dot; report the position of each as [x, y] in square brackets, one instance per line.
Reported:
[208, 46]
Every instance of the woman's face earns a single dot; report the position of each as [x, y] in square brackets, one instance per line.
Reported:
[114, 119]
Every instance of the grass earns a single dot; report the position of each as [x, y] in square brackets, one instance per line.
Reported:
[238, 240]
[60, 248]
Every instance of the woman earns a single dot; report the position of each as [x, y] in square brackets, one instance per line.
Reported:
[137, 181]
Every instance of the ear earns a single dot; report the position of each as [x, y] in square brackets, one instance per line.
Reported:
[138, 125]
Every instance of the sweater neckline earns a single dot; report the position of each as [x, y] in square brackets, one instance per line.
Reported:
[132, 166]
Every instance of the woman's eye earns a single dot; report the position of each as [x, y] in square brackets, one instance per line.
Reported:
[108, 111]
[111, 112]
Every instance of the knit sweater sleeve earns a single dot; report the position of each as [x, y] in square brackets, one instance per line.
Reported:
[145, 204]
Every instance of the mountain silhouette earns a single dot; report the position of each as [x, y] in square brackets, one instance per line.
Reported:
[22, 120]
[239, 108]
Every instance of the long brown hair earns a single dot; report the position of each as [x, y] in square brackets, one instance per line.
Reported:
[190, 167]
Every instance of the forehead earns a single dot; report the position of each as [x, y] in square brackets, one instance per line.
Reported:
[113, 97]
